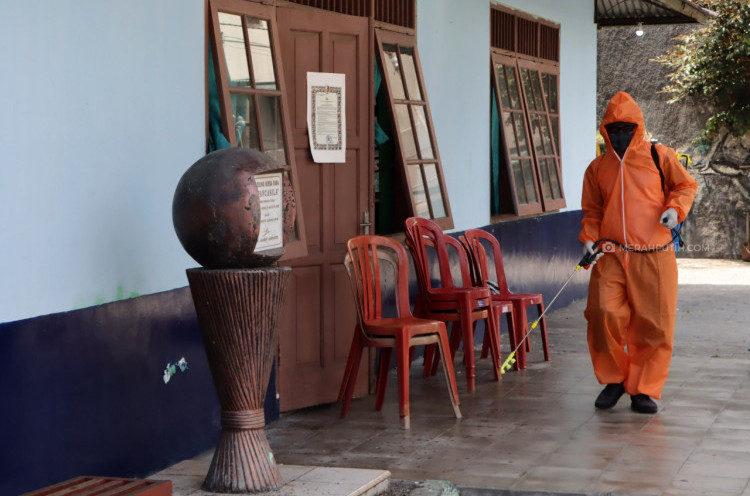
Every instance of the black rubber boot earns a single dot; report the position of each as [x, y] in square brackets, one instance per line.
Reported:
[641, 403]
[609, 396]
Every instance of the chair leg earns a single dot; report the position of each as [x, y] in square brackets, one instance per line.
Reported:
[350, 374]
[513, 334]
[454, 343]
[450, 374]
[468, 338]
[492, 331]
[522, 324]
[402, 368]
[543, 330]
[383, 370]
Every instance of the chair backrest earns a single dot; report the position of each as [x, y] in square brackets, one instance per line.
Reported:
[463, 261]
[423, 236]
[379, 274]
[478, 242]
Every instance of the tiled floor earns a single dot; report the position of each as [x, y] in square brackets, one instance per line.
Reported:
[538, 429]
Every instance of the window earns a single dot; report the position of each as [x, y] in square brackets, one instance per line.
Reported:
[416, 151]
[250, 90]
[525, 172]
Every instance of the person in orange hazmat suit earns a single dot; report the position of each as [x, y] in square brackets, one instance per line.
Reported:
[632, 297]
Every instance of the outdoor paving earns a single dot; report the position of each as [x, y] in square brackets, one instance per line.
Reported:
[537, 429]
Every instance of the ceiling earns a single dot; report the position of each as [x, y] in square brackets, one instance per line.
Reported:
[632, 12]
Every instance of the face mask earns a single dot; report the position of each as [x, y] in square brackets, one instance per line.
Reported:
[620, 142]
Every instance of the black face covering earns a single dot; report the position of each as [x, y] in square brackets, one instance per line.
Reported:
[620, 142]
[620, 135]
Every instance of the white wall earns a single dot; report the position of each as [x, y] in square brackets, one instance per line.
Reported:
[453, 39]
[102, 112]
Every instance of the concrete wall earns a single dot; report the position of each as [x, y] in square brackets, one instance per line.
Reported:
[453, 39]
[103, 110]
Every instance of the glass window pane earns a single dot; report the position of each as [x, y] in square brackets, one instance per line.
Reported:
[518, 180]
[552, 93]
[260, 53]
[405, 132]
[433, 187]
[554, 179]
[546, 135]
[410, 73]
[536, 133]
[245, 123]
[423, 134]
[418, 191]
[523, 141]
[233, 41]
[502, 86]
[510, 135]
[556, 132]
[528, 179]
[272, 127]
[544, 172]
[538, 101]
[515, 101]
[392, 71]
[527, 89]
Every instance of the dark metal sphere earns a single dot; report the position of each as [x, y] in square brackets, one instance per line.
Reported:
[216, 209]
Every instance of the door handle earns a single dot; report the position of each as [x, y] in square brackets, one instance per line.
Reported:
[366, 222]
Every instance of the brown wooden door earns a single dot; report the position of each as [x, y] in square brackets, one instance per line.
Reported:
[319, 315]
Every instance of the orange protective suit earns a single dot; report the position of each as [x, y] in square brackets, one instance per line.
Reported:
[632, 296]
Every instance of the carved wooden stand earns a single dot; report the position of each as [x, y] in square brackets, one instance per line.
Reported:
[238, 311]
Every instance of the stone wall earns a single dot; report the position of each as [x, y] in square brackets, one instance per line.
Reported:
[715, 228]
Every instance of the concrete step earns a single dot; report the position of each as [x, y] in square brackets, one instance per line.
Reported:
[297, 480]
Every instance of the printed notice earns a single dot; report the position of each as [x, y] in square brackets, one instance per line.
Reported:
[270, 188]
[326, 116]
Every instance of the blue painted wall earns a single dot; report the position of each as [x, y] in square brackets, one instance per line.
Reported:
[83, 392]
[540, 253]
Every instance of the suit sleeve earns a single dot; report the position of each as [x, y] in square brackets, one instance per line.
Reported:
[681, 185]
[592, 205]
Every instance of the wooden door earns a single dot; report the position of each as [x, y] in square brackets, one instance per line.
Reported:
[319, 314]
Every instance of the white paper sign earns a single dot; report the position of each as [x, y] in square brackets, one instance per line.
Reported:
[270, 188]
[326, 116]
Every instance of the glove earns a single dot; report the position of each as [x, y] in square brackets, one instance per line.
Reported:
[668, 218]
[588, 249]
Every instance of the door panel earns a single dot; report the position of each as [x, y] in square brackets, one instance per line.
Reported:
[314, 345]
[345, 174]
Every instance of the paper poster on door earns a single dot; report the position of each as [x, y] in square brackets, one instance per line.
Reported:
[326, 116]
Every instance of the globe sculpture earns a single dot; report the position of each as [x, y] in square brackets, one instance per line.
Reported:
[238, 295]
[216, 209]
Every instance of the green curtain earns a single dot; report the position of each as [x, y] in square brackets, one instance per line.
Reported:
[216, 139]
[380, 135]
[494, 157]
[385, 212]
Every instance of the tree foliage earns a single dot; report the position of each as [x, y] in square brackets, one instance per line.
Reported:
[714, 61]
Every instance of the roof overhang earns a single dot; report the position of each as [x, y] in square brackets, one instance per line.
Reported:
[632, 12]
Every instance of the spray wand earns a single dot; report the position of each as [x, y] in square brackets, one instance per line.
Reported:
[586, 261]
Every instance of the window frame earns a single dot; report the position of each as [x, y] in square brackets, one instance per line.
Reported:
[527, 208]
[292, 248]
[531, 44]
[409, 41]
[548, 204]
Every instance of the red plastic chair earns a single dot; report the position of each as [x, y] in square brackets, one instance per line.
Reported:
[378, 268]
[467, 280]
[478, 240]
[449, 302]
